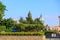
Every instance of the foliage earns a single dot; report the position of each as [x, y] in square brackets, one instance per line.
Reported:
[2, 28]
[8, 30]
[10, 22]
[29, 18]
[25, 25]
[53, 31]
[22, 33]
[30, 27]
[37, 21]
[2, 9]
[21, 20]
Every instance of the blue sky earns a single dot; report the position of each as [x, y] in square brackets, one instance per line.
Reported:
[50, 9]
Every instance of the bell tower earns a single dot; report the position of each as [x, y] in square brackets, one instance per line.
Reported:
[59, 20]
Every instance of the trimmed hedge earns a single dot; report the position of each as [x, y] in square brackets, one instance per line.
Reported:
[22, 33]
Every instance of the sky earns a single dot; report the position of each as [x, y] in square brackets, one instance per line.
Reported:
[50, 9]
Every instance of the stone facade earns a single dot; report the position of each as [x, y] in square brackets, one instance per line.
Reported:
[22, 37]
[57, 28]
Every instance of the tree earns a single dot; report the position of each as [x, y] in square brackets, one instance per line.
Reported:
[10, 22]
[36, 21]
[29, 18]
[2, 28]
[2, 10]
[20, 27]
[3, 22]
[21, 20]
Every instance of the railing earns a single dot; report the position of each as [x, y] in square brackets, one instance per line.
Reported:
[52, 38]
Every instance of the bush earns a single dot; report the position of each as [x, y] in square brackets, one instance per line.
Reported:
[8, 30]
[30, 27]
[22, 33]
[2, 28]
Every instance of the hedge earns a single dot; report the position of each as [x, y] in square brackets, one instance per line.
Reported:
[22, 33]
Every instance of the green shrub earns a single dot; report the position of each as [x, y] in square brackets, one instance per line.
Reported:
[8, 30]
[22, 33]
[2, 28]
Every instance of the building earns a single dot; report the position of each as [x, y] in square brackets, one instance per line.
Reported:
[57, 28]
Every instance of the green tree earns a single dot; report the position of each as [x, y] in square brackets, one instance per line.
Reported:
[2, 10]
[10, 22]
[29, 18]
[21, 20]
[36, 21]
[3, 22]
[2, 28]
[20, 27]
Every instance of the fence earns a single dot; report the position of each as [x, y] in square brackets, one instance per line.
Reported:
[52, 38]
